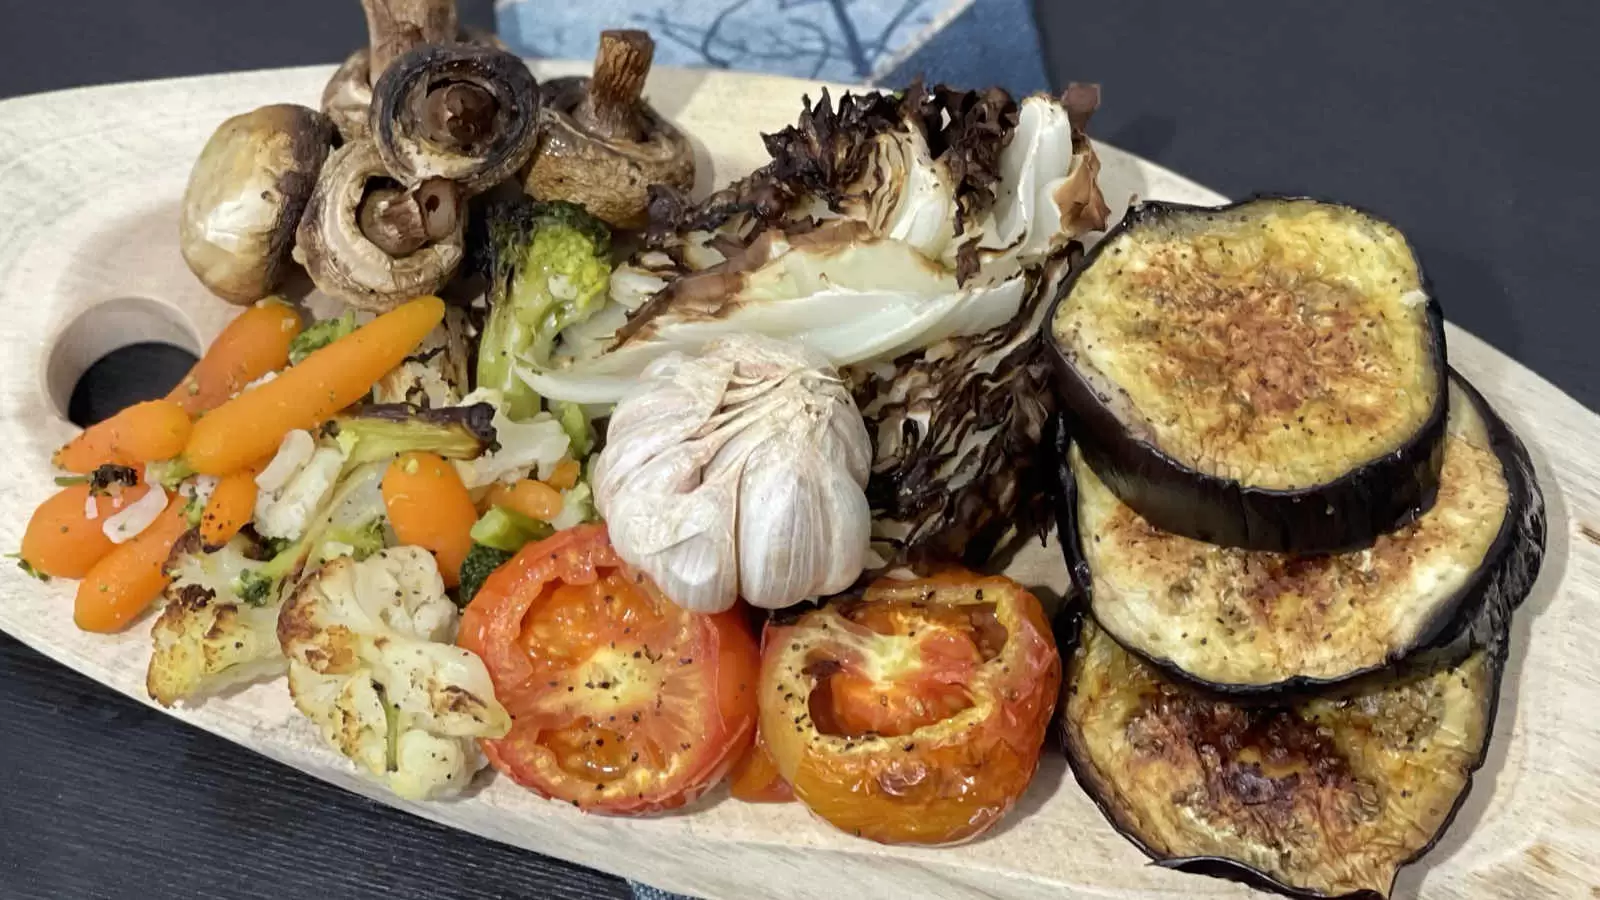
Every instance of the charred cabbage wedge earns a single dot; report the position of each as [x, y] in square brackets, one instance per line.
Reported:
[914, 240]
[1267, 375]
[1320, 797]
[1250, 621]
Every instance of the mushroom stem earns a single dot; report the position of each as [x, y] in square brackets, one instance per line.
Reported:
[611, 109]
[400, 222]
[395, 26]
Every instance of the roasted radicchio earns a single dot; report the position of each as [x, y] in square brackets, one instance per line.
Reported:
[957, 429]
[912, 239]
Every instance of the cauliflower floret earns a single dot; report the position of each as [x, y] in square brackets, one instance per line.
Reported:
[206, 639]
[417, 382]
[530, 448]
[369, 662]
[286, 511]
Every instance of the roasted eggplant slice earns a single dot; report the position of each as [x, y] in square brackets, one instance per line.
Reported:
[1268, 375]
[1324, 797]
[1250, 621]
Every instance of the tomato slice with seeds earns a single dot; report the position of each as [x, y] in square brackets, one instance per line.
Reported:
[621, 702]
[915, 713]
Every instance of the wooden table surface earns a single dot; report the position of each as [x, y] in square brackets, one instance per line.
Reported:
[1463, 121]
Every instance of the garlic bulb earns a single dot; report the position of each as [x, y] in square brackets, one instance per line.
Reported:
[739, 473]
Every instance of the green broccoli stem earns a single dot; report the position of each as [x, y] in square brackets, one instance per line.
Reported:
[502, 334]
[506, 529]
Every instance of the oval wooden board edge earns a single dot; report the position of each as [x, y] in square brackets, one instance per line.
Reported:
[92, 178]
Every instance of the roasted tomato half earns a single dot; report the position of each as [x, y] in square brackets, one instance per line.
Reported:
[915, 713]
[620, 701]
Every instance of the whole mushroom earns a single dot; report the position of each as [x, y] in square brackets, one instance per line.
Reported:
[245, 196]
[463, 112]
[601, 145]
[373, 242]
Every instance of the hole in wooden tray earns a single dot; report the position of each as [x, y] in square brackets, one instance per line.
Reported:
[117, 353]
[125, 376]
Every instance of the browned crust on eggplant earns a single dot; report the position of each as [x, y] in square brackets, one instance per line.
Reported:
[1328, 796]
[1505, 575]
[1342, 513]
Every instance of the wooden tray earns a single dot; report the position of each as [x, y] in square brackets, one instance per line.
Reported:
[91, 181]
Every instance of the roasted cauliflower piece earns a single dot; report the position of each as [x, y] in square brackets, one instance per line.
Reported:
[207, 639]
[370, 663]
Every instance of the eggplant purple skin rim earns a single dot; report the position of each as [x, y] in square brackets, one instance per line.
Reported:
[1376, 497]
[1489, 629]
[1506, 575]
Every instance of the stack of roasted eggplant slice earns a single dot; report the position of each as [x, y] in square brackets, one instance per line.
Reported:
[1298, 538]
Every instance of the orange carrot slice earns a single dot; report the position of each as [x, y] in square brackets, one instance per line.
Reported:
[124, 583]
[429, 507]
[564, 477]
[250, 426]
[254, 343]
[534, 499]
[144, 432]
[61, 541]
[229, 508]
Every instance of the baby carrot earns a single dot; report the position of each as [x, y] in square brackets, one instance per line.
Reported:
[429, 507]
[534, 499]
[250, 426]
[565, 475]
[254, 343]
[144, 432]
[63, 542]
[231, 505]
[130, 577]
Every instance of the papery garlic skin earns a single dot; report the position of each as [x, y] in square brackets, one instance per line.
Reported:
[740, 473]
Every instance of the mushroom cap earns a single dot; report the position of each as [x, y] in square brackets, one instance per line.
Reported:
[610, 177]
[245, 196]
[348, 96]
[422, 133]
[343, 262]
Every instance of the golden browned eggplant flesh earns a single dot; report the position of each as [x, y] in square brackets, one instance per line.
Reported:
[1267, 375]
[1254, 620]
[1320, 797]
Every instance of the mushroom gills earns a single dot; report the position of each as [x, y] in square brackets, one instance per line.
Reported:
[1244, 621]
[1267, 375]
[373, 244]
[460, 112]
[347, 98]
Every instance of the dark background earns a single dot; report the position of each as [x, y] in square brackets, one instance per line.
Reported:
[1469, 123]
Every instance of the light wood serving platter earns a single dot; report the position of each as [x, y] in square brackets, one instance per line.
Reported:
[91, 181]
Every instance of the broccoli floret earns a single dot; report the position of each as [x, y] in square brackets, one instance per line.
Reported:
[549, 267]
[259, 586]
[321, 333]
[168, 473]
[575, 422]
[363, 540]
[388, 430]
[194, 511]
[480, 563]
[507, 530]
[255, 587]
